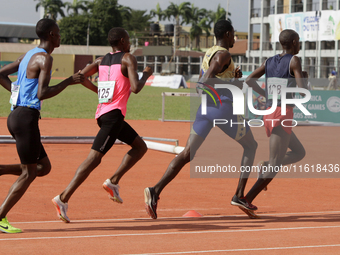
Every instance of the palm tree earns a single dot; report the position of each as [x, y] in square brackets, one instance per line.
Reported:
[199, 23]
[139, 21]
[51, 8]
[125, 12]
[218, 15]
[76, 5]
[157, 12]
[182, 10]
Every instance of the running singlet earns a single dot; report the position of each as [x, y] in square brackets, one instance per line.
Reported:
[227, 73]
[278, 75]
[114, 88]
[24, 90]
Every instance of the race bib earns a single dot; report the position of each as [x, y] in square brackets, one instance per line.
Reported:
[105, 91]
[15, 93]
[278, 83]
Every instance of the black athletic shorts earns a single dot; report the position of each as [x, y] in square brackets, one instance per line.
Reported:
[22, 123]
[112, 127]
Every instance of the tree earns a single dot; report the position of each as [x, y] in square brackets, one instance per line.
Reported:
[101, 16]
[157, 12]
[199, 23]
[73, 29]
[105, 15]
[125, 13]
[51, 8]
[139, 21]
[218, 15]
[182, 10]
[76, 5]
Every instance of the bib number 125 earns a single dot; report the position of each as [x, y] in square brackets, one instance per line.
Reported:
[105, 91]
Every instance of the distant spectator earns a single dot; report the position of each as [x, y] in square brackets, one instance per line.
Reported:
[333, 80]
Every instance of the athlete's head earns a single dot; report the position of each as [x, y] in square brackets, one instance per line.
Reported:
[119, 37]
[289, 39]
[47, 29]
[223, 30]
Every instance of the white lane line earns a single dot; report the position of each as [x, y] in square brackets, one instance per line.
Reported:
[167, 233]
[166, 218]
[242, 250]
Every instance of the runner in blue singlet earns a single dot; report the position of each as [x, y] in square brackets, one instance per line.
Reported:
[34, 74]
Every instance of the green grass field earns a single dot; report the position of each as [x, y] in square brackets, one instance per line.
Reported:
[78, 102]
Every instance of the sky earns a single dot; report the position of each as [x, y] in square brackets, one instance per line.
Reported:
[23, 11]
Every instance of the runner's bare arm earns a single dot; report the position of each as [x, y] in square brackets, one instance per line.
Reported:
[91, 70]
[44, 91]
[300, 76]
[7, 70]
[251, 79]
[221, 59]
[131, 64]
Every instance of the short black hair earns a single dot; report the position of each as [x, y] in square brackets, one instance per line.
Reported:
[43, 28]
[115, 34]
[286, 38]
[221, 27]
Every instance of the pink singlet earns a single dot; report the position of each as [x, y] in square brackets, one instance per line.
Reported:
[110, 70]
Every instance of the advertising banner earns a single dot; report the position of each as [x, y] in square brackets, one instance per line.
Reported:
[171, 81]
[323, 105]
[311, 26]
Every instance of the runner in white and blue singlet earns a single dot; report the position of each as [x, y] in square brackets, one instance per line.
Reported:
[34, 74]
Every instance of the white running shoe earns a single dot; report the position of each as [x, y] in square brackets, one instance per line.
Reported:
[61, 209]
[113, 190]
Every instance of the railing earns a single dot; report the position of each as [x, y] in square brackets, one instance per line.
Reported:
[313, 6]
[255, 12]
[267, 45]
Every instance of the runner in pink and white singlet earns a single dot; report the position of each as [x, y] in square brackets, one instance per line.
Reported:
[118, 77]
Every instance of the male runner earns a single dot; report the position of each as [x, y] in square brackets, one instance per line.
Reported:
[117, 78]
[285, 68]
[34, 74]
[217, 67]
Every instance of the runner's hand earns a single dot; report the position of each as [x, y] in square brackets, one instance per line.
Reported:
[238, 72]
[77, 78]
[305, 74]
[148, 71]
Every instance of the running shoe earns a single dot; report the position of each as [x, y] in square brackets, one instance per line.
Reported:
[260, 173]
[113, 190]
[61, 209]
[251, 214]
[151, 200]
[242, 202]
[8, 228]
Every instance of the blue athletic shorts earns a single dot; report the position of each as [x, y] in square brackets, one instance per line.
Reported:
[234, 126]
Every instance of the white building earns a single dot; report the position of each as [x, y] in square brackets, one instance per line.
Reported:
[316, 21]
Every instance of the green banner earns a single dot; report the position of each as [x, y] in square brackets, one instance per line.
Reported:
[323, 105]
